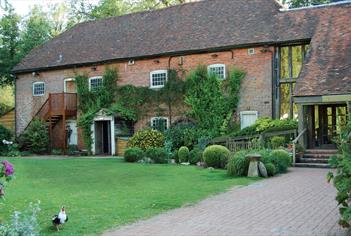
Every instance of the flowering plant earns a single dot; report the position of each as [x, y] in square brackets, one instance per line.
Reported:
[6, 174]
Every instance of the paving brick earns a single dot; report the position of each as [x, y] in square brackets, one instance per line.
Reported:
[298, 203]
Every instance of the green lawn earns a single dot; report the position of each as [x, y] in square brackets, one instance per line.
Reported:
[103, 193]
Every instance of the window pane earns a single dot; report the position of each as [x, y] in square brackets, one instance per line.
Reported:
[284, 101]
[284, 63]
[219, 71]
[39, 89]
[159, 124]
[296, 60]
[95, 83]
[159, 79]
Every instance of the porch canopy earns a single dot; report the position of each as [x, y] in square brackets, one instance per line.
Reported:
[323, 90]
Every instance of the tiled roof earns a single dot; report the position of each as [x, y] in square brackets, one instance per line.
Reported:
[327, 69]
[187, 27]
[211, 25]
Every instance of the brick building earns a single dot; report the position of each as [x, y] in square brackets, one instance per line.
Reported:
[277, 48]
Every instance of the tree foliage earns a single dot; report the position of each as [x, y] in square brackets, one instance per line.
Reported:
[342, 178]
[212, 101]
[304, 3]
[9, 35]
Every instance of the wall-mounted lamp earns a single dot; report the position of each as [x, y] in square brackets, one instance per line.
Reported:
[214, 55]
[157, 61]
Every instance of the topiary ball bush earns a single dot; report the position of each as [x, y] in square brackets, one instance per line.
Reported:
[271, 170]
[216, 156]
[195, 156]
[183, 154]
[238, 164]
[281, 160]
[158, 155]
[278, 141]
[133, 154]
[147, 138]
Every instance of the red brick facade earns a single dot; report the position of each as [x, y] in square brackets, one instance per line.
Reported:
[256, 91]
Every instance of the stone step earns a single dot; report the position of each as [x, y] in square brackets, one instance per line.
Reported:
[321, 151]
[317, 155]
[312, 160]
[313, 165]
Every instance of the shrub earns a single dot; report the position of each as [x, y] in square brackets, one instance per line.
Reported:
[216, 156]
[182, 134]
[147, 138]
[36, 137]
[23, 223]
[5, 134]
[281, 160]
[238, 164]
[277, 142]
[265, 125]
[183, 154]
[271, 170]
[195, 156]
[158, 155]
[133, 154]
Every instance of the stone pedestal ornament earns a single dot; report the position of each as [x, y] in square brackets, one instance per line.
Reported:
[253, 167]
[262, 170]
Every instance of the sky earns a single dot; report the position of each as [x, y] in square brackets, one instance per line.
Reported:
[22, 7]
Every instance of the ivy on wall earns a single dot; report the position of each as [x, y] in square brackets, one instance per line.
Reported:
[212, 101]
[90, 102]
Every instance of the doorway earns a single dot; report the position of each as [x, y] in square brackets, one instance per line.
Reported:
[329, 121]
[103, 137]
[69, 86]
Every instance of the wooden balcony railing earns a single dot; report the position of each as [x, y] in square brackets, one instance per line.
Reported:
[58, 104]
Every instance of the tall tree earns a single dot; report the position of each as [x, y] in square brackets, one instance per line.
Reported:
[9, 35]
[37, 30]
[304, 3]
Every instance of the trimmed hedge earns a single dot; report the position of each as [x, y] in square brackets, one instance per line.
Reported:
[158, 155]
[195, 156]
[216, 156]
[133, 154]
[271, 170]
[183, 154]
[238, 164]
[147, 138]
[280, 159]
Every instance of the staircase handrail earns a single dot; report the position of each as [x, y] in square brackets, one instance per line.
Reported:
[294, 142]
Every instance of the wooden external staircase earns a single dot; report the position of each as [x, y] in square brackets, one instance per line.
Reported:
[57, 107]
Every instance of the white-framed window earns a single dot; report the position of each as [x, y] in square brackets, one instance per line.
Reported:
[95, 83]
[251, 51]
[158, 78]
[38, 89]
[248, 118]
[160, 123]
[218, 70]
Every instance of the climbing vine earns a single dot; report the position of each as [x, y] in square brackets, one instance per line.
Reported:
[91, 101]
[212, 102]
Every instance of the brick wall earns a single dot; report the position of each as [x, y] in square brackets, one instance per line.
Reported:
[256, 92]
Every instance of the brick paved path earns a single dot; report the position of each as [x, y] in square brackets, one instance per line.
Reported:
[298, 203]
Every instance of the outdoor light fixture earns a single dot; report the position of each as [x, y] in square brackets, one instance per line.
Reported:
[157, 61]
[214, 55]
